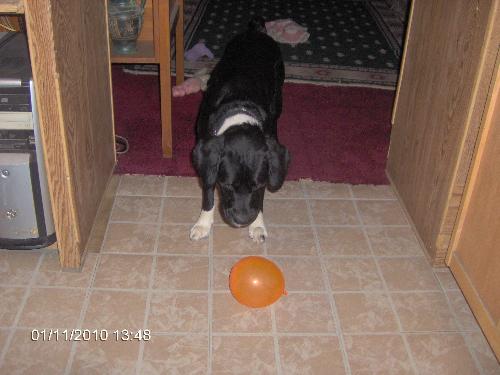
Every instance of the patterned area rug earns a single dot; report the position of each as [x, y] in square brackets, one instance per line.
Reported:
[354, 42]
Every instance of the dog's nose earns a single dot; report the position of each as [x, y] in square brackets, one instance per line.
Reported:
[241, 218]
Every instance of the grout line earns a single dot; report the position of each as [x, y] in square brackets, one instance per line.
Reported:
[197, 196]
[221, 291]
[83, 311]
[269, 225]
[210, 299]
[326, 283]
[463, 332]
[86, 301]
[108, 252]
[140, 355]
[270, 333]
[387, 293]
[274, 329]
[24, 300]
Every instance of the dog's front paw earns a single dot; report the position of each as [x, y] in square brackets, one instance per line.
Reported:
[198, 232]
[257, 233]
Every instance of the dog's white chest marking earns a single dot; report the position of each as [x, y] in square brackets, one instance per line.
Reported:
[237, 119]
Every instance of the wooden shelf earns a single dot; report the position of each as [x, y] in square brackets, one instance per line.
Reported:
[12, 6]
[145, 54]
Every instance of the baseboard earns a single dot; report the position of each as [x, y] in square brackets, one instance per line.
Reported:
[433, 261]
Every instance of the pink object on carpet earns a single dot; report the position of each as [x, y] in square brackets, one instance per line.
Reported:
[287, 31]
[337, 134]
[189, 86]
[198, 51]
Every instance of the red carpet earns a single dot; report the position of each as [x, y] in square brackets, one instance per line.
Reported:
[337, 134]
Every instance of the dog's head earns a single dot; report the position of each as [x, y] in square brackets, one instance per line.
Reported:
[243, 162]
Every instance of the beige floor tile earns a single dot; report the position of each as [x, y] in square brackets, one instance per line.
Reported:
[174, 239]
[141, 185]
[290, 189]
[372, 192]
[50, 272]
[310, 355]
[181, 210]
[446, 279]
[483, 353]
[115, 310]
[381, 212]
[305, 313]
[320, 189]
[377, 354]
[178, 312]
[181, 272]
[290, 241]
[123, 271]
[365, 313]
[462, 311]
[11, 298]
[343, 241]
[105, 357]
[393, 241]
[130, 238]
[240, 355]
[183, 187]
[230, 316]
[25, 356]
[234, 241]
[16, 267]
[353, 274]
[180, 354]
[221, 270]
[136, 208]
[408, 274]
[333, 212]
[52, 308]
[301, 274]
[286, 212]
[424, 312]
[441, 354]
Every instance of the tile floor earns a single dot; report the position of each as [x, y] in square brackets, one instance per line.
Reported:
[362, 298]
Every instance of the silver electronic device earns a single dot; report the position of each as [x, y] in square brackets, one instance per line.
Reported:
[25, 208]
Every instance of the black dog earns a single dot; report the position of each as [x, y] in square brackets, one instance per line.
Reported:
[237, 146]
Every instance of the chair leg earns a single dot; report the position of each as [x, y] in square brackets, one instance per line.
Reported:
[179, 45]
[165, 79]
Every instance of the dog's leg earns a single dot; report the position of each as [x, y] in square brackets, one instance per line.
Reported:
[202, 227]
[257, 230]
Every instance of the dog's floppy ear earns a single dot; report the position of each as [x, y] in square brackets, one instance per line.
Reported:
[278, 159]
[206, 157]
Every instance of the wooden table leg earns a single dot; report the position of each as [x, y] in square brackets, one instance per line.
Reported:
[165, 80]
[179, 45]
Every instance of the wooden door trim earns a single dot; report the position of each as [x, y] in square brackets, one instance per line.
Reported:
[402, 64]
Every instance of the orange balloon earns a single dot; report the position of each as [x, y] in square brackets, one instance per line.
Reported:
[256, 282]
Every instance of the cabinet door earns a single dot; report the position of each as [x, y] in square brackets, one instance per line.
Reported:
[474, 256]
[69, 51]
[440, 94]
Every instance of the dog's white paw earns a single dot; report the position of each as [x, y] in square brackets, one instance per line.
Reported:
[198, 232]
[257, 230]
[258, 234]
[202, 227]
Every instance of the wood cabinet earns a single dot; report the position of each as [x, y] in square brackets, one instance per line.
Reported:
[445, 79]
[69, 52]
[474, 256]
[444, 153]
